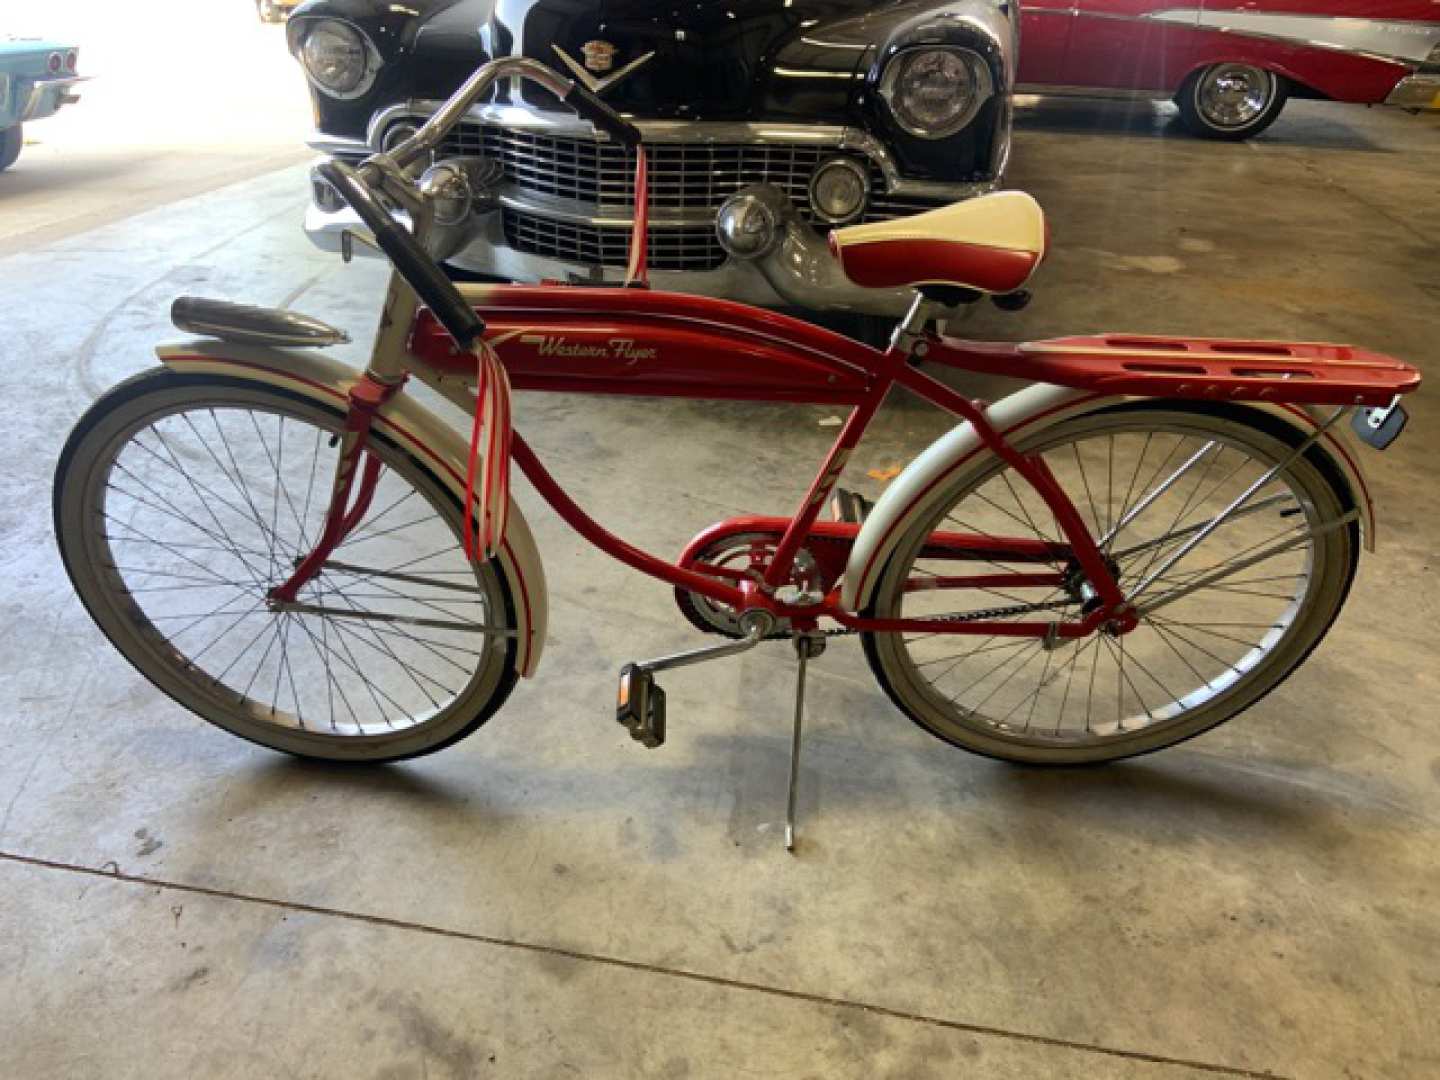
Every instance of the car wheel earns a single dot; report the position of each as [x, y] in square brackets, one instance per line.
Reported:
[1231, 101]
[11, 140]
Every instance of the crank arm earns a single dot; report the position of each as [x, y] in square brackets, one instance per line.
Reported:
[301, 608]
[1244, 564]
[757, 626]
[392, 575]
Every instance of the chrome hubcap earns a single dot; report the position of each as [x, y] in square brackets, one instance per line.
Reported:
[1233, 95]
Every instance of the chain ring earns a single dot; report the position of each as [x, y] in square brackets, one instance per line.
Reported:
[705, 614]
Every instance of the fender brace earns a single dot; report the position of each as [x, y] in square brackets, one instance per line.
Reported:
[365, 397]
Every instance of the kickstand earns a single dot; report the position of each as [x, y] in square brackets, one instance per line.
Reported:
[806, 647]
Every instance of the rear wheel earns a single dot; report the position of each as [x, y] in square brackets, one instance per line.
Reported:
[1231, 101]
[11, 140]
[181, 500]
[1230, 620]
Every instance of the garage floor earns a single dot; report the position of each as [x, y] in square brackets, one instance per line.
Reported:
[547, 899]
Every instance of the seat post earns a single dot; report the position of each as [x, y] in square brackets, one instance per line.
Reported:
[910, 329]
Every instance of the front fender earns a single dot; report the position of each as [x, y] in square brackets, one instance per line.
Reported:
[410, 425]
[916, 492]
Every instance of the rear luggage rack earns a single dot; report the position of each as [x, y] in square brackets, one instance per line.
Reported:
[1213, 368]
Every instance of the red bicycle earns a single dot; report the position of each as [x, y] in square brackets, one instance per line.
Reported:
[1137, 546]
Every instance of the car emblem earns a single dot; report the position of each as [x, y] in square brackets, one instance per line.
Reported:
[599, 56]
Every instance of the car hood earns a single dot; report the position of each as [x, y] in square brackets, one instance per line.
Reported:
[691, 58]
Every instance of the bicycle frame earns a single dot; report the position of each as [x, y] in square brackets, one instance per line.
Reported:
[636, 342]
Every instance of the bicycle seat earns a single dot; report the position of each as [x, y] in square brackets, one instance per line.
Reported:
[992, 244]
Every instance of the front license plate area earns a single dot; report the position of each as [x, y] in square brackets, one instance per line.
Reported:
[1380, 427]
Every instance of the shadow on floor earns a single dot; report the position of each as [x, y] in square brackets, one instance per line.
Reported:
[1186, 797]
[36, 173]
[1149, 119]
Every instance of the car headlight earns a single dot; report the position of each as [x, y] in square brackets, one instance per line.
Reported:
[934, 92]
[838, 190]
[338, 59]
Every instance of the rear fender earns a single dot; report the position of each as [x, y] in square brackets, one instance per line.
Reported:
[918, 490]
[410, 425]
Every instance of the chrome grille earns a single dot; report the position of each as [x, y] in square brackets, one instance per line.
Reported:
[688, 249]
[682, 176]
[695, 177]
[886, 207]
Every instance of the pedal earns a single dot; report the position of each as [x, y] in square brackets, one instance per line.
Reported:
[640, 706]
[849, 507]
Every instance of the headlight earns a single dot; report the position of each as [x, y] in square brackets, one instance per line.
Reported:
[338, 59]
[934, 92]
[838, 190]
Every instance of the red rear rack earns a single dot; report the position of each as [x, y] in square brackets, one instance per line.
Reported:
[1211, 368]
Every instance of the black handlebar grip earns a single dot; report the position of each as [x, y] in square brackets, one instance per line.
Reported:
[410, 259]
[602, 116]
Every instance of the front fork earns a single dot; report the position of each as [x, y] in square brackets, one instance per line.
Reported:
[344, 513]
[382, 380]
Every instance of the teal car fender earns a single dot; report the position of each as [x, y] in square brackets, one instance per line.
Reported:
[37, 78]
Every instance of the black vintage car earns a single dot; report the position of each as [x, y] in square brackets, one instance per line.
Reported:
[767, 121]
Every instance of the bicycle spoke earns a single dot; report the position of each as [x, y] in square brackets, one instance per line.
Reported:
[201, 511]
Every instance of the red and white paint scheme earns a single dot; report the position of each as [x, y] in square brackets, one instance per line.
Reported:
[1231, 65]
[991, 244]
[1248, 462]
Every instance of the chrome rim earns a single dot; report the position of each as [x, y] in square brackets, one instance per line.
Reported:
[1234, 95]
[193, 510]
[1146, 490]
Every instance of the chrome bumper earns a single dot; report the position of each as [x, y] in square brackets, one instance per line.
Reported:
[1416, 92]
[45, 97]
[800, 272]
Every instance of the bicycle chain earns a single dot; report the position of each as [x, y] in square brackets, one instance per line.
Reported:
[973, 616]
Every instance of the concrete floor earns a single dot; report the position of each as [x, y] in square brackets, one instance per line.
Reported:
[547, 899]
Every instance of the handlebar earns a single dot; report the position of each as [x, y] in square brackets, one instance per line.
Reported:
[383, 170]
[586, 104]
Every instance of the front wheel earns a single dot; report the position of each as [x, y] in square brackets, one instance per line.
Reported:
[181, 500]
[11, 140]
[1231, 101]
[1220, 628]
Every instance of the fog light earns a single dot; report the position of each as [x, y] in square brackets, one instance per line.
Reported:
[749, 222]
[838, 190]
[396, 134]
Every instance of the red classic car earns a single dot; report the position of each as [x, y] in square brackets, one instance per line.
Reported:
[1230, 65]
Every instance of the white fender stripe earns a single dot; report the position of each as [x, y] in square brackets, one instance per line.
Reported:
[917, 491]
[1390, 39]
[407, 422]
